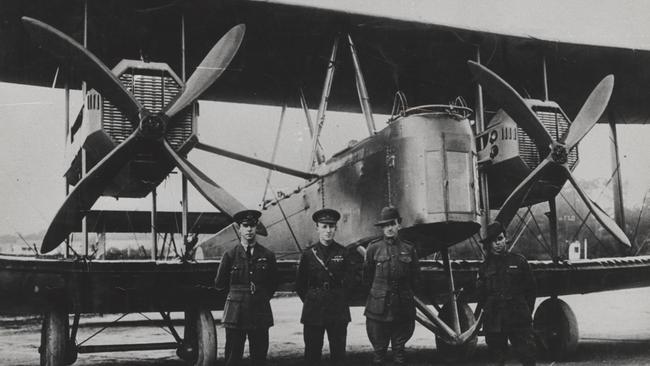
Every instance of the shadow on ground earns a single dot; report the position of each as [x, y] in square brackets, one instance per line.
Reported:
[590, 351]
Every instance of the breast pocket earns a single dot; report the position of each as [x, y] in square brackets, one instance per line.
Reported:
[383, 266]
[237, 274]
[515, 279]
[336, 265]
[261, 265]
[491, 280]
[404, 264]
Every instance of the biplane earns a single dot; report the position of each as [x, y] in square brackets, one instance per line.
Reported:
[460, 141]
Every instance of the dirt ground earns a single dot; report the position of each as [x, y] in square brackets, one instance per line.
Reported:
[614, 329]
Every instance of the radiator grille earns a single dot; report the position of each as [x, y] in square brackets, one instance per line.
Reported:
[556, 124]
[153, 90]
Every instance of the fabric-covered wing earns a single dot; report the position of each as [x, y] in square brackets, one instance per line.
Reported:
[421, 49]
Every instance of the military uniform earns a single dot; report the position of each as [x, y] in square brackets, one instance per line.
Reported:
[506, 288]
[325, 299]
[391, 270]
[251, 282]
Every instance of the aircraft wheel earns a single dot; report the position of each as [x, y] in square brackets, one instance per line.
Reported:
[54, 338]
[452, 353]
[556, 329]
[200, 345]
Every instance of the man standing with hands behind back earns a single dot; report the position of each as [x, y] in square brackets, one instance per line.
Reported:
[391, 270]
[324, 276]
[249, 273]
[506, 288]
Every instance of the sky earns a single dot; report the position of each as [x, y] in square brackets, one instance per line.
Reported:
[34, 156]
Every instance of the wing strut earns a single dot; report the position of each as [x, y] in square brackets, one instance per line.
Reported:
[322, 107]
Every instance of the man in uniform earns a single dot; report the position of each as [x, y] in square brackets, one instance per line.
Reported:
[506, 288]
[249, 273]
[324, 275]
[391, 270]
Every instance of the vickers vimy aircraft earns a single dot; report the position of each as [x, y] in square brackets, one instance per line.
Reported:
[444, 166]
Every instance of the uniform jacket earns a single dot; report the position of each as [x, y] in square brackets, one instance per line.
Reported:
[506, 288]
[250, 286]
[391, 270]
[325, 297]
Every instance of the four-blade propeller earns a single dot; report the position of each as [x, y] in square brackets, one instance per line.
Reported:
[556, 151]
[147, 125]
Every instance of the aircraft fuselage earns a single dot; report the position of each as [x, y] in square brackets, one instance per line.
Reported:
[424, 164]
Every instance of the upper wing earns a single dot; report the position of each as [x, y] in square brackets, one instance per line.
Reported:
[420, 49]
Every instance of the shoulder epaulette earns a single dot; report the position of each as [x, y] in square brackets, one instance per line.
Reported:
[375, 240]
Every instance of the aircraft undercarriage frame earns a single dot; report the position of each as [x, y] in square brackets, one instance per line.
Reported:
[454, 325]
[197, 347]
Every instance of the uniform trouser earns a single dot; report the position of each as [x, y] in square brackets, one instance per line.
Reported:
[523, 343]
[396, 332]
[336, 335]
[258, 345]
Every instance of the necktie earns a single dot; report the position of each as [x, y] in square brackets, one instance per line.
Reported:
[249, 251]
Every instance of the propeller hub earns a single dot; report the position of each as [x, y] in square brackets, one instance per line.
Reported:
[153, 126]
[559, 153]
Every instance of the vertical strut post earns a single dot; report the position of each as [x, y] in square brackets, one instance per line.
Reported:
[184, 203]
[453, 303]
[183, 47]
[66, 87]
[154, 234]
[545, 76]
[84, 226]
[84, 223]
[66, 254]
[320, 119]
[552, 223]
[310, 123]
[619, 212]
[305, 108]
[480, 127]
[275, 150]
[364, 99]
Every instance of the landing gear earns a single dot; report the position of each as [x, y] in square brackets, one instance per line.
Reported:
[56, 348]
[454, 353]
[556, 329]
[454, 324]
[200, 345]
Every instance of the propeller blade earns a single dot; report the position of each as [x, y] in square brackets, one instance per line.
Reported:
[513, 104]
[608, 223]
[91, 69]
[590, 112]
[86, 192]
[215, 194]
[212, 66]
[519, 194]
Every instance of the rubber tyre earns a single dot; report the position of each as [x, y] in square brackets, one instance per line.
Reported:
[451, 353]
[54, 337]
[556, 329]
[200, 332]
